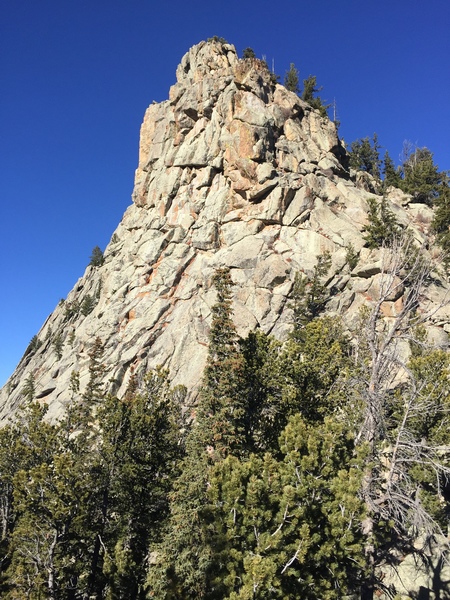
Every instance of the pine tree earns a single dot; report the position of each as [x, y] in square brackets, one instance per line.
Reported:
[382, 227]
[391, 175]
[97, 259]
[263, 380]
[45, 504]
[421, 176]
[289, 528]
[291, 80]
[95, 389]
[10, 463]
[186, 558]
[58, 344]
[310, 295]
[88, 305]
[248, 53]
[29, 387]
[314, 366]
[221, 412]
[441, 222]
[310, 90]
[364, 155]
[139, 456]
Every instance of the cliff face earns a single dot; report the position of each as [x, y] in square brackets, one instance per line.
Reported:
[233, 170]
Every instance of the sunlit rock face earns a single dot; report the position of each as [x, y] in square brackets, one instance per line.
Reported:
[234, 170]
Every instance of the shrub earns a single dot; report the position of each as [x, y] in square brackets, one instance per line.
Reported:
[248, 53]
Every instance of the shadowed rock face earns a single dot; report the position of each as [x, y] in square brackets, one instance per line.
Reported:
[233, 170]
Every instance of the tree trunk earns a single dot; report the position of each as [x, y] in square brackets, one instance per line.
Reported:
[93, 583]
[51, 568]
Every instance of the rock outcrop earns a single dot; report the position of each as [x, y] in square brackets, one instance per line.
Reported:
[233, 170]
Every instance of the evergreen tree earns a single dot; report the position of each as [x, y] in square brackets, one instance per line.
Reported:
[364, 155]
[248, 53]
[289, 528]
[310, 90]
[186, 559]
[441, 222]
[421, 176]
[314, 365]
[310, 295]
[95, 389]
[29, 388]
[139, 455]
[221, 412]
[44, 505]
[382, 225]
[391, 175]
[88, 305]
[291, 80]
[263, 381]
[58, 344]
[97, 259]
[10, 463]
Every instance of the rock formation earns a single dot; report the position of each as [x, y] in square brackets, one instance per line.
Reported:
[233, 170]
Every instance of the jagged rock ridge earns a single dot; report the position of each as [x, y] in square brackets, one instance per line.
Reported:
[233, 170]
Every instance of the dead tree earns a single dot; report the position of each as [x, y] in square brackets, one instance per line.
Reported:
[393, 399]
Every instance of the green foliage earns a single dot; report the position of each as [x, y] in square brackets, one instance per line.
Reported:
[248, 53]
[421, 176]
[291, 79]
[29, 387]
[314, 366]
[263, 381]
[282, 524]
[391, 174]
[58, 344]
[431, 368]
[217, 39]
[135, 465]
[185, 558]
[310, 90]
[222, 408]
[34, 345]
[97, 258]
[351, 256]
[382, 225]
[364, 155]
[299, 469]
[441, 222]
[88, 305]
[71, 309]
[82, 499]
[94, 390]
[310, 295]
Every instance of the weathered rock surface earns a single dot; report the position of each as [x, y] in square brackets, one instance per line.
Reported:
[233, 170]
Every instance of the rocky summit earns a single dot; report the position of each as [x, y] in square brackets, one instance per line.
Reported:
[234, 170]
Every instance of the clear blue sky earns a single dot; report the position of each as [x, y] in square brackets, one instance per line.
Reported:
[77, 75]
